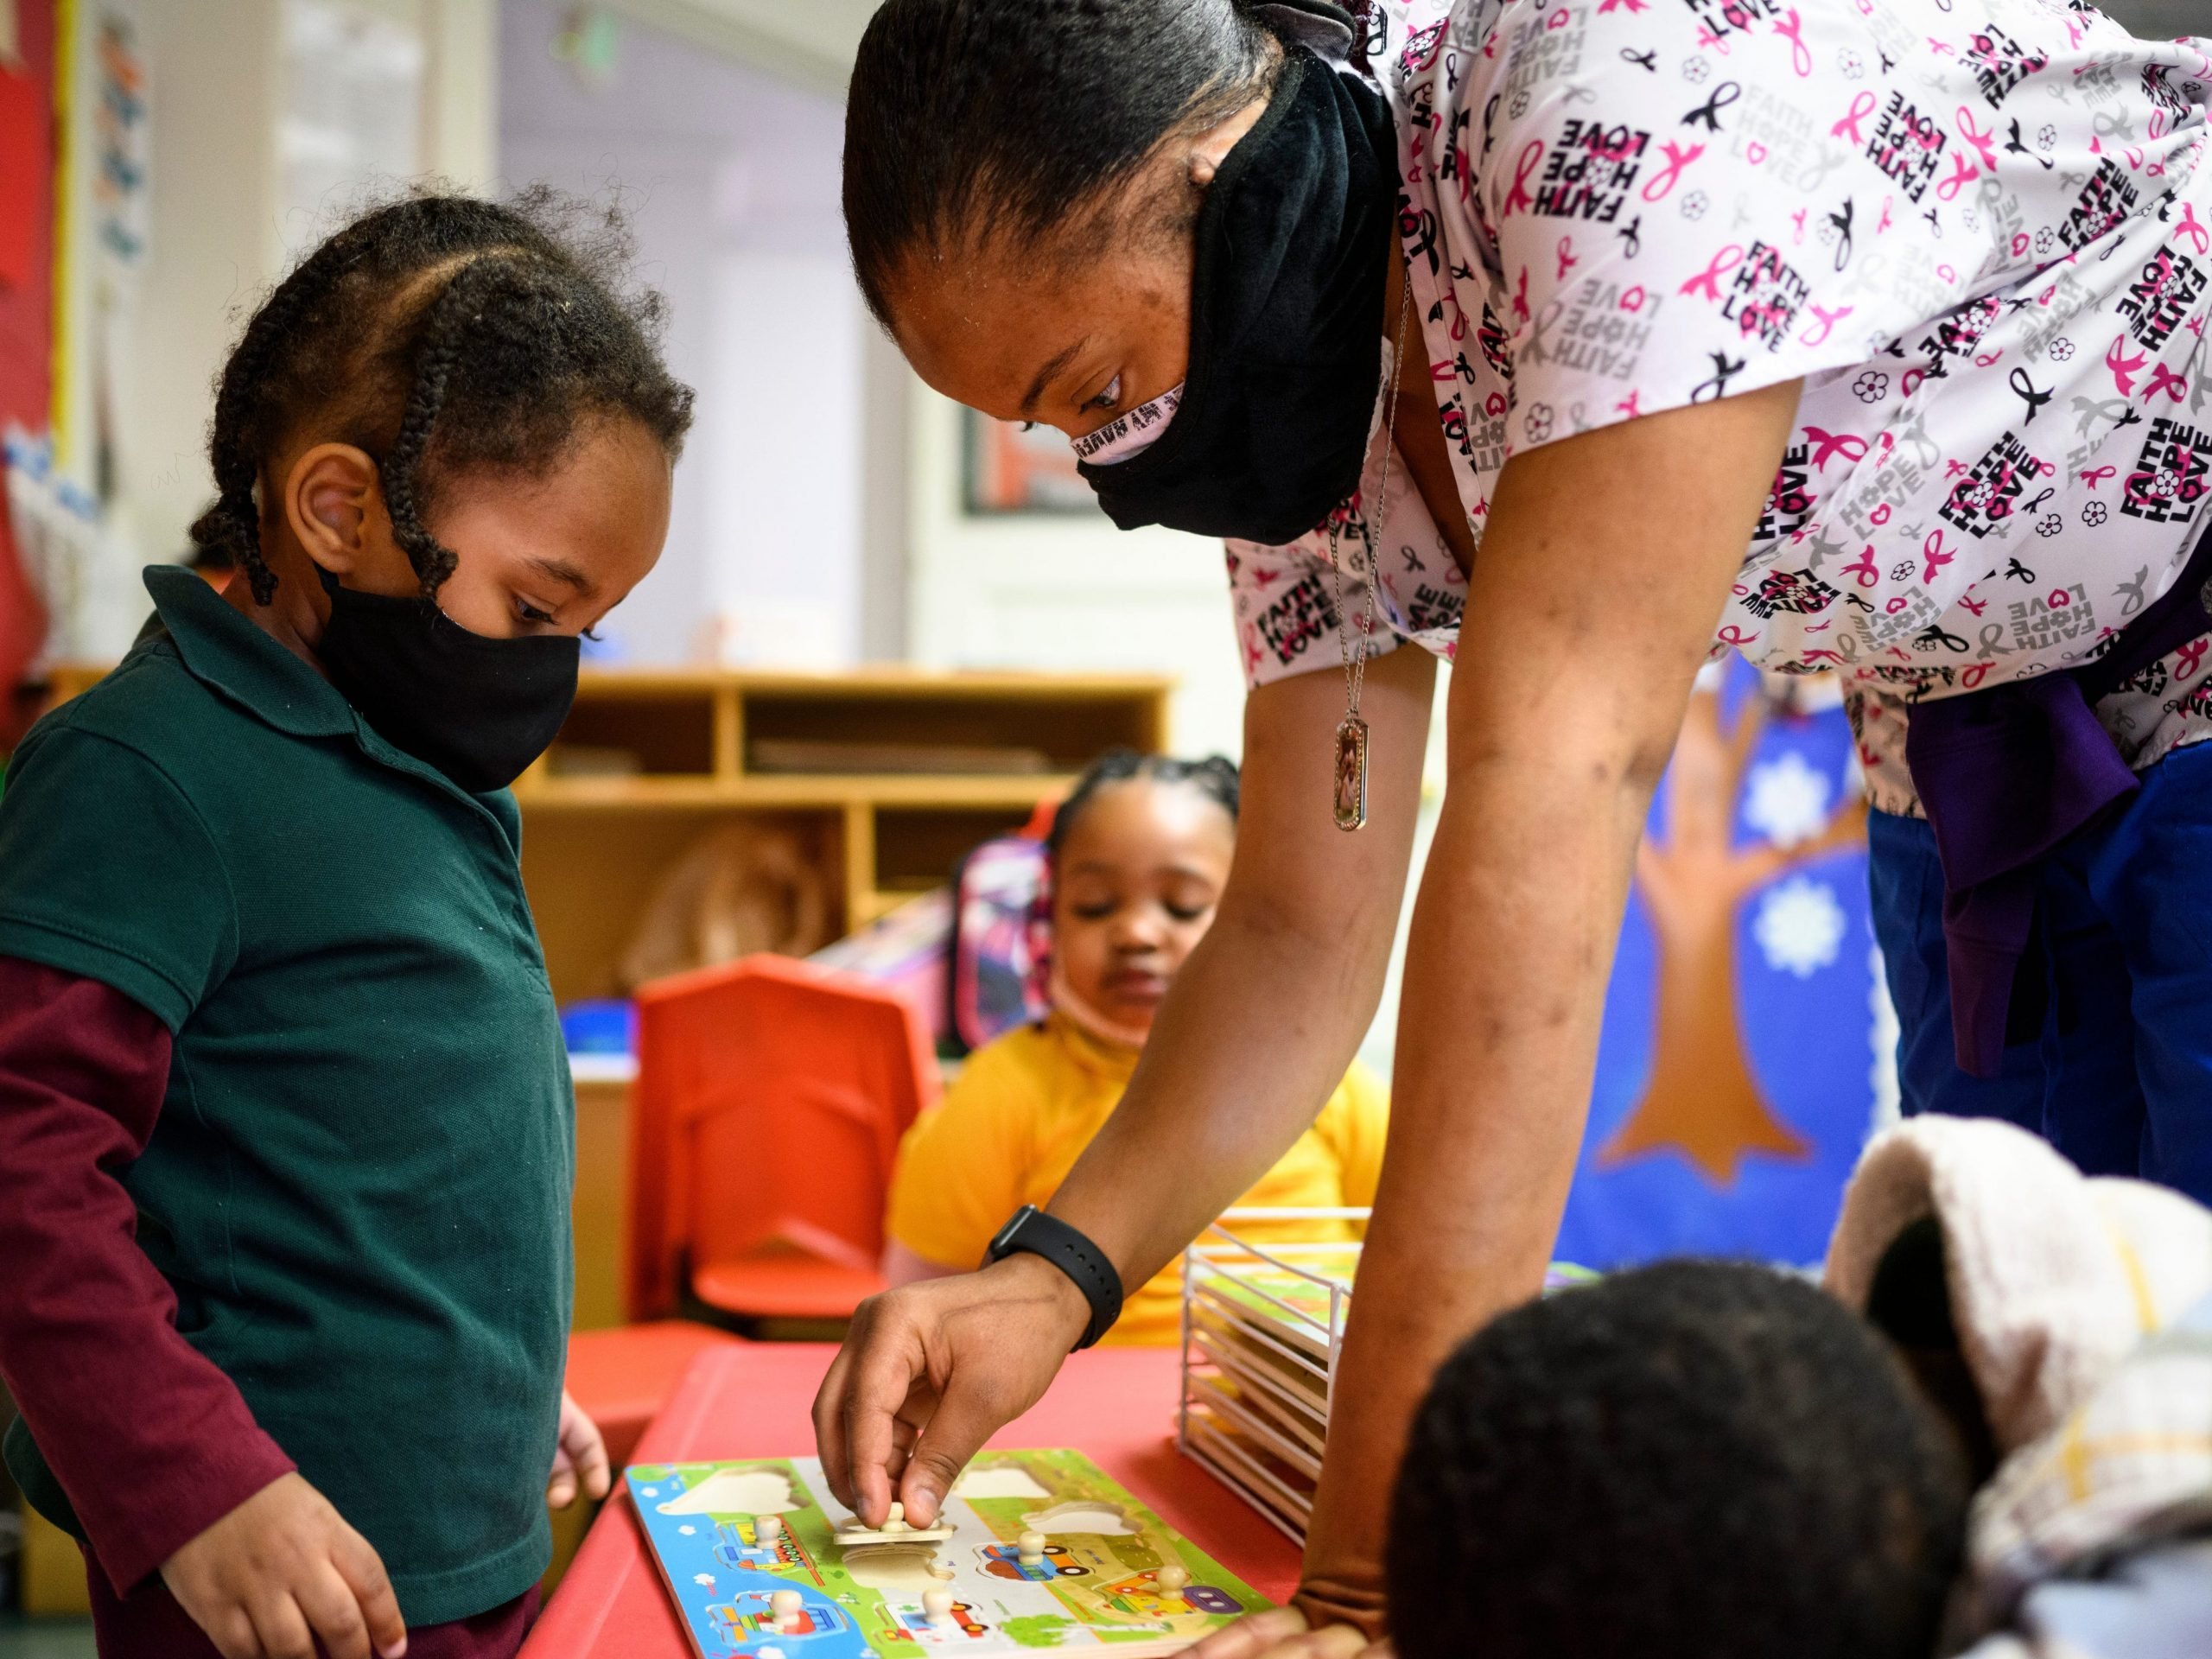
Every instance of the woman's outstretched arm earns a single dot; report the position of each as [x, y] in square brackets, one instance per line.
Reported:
[1257, 1032]
[1607, 559]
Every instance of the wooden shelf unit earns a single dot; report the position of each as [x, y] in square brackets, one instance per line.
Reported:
[593, 846]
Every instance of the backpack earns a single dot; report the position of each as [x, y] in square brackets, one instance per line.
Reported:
[1001, 938]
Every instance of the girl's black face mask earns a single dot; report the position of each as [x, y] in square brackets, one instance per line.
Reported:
[478, 710]
[1286, 295]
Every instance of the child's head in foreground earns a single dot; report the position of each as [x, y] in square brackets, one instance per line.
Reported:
[449, 428]
[1140, 853]
[1699, 1458]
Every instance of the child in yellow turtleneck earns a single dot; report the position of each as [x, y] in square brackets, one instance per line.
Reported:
[1139, 854]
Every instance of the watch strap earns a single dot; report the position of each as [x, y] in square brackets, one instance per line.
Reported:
[1071, 1250]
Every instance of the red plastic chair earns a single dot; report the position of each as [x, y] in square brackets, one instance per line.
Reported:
[770, 1099]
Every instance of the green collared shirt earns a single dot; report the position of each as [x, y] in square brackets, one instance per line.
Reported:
[358, 1184]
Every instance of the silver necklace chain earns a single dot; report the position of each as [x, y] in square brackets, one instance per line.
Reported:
[1352, 813]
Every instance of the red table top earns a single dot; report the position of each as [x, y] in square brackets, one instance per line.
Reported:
[1114, 1405]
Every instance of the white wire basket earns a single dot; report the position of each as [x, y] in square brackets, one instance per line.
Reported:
[1263, 1326]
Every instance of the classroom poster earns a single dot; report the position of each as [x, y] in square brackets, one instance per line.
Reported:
[1745, 1051]
[27, 66]
[26, 212]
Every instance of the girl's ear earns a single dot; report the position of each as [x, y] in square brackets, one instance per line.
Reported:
[333, 506]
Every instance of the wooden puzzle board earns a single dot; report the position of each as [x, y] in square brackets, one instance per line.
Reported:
[1096, 1585]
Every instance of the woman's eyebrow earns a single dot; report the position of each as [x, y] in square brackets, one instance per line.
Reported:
[1047, 374]
[561, 571]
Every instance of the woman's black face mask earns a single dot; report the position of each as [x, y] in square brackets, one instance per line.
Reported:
[478, 710]
[1287, 285]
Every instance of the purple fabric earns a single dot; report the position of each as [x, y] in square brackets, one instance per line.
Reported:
[2005, 775]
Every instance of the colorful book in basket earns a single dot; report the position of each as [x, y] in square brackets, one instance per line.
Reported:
[1107, 1573]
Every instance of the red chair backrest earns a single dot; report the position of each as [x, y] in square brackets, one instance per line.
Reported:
[770, 1099]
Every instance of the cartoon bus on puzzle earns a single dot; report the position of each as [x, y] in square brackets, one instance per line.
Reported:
[820, 1631]
[1004, 1561]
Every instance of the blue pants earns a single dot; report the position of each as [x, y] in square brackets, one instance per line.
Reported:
[2119, 1077]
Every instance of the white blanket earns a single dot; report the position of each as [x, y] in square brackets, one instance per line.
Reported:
[2084, 1312]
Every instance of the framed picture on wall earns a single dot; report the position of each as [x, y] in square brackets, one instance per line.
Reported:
[1008, 470]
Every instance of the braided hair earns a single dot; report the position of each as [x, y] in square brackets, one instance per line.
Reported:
[1214, 776]
[443, 336]
[969, 118]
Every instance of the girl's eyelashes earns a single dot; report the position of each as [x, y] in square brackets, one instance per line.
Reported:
[530, 612]
[591, 635]
[1186, 912]
[1107, 399]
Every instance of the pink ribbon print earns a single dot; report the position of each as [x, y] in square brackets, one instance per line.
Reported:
[1661, 185]
[1708, 280]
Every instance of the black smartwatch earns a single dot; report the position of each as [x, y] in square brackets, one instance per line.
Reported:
[1033, 1231]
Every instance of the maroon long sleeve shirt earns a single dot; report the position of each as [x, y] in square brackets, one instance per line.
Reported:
[152, 1443]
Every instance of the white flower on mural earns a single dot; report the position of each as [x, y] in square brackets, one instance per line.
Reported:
[1786, 800]
[705, 1581]
[1799, 927]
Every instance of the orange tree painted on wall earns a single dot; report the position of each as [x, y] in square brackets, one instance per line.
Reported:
[1735, 1073]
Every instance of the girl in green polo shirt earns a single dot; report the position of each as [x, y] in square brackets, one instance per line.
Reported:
[270, 991]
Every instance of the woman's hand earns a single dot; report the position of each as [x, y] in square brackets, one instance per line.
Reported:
[1289, 1633]
[282, 1572]
[580, 1458]
[931, 1370]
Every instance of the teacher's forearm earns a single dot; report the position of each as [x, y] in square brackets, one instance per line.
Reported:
[1263, 1021]
[1273, 1003]
[1506, 967]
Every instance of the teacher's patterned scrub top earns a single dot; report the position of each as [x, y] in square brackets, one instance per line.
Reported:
[1978, 231]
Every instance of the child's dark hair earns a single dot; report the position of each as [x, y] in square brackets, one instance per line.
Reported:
[1700, 1461]
[443, 335]
[1214, 776]
[1018, 117]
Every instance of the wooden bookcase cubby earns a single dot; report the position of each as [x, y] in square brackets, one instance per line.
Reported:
[884, 776]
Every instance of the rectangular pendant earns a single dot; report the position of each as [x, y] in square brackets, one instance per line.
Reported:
[1351, 772]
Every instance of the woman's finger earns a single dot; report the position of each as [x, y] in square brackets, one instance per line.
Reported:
[1330, 1642]
[903, 1436]
[885, 1369]
[829, 1414]
[1249, 1637]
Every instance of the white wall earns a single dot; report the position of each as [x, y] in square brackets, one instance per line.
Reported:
[729, 174]
[780, 458]
[807, 42]
[1064, 592]
[216, 240]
